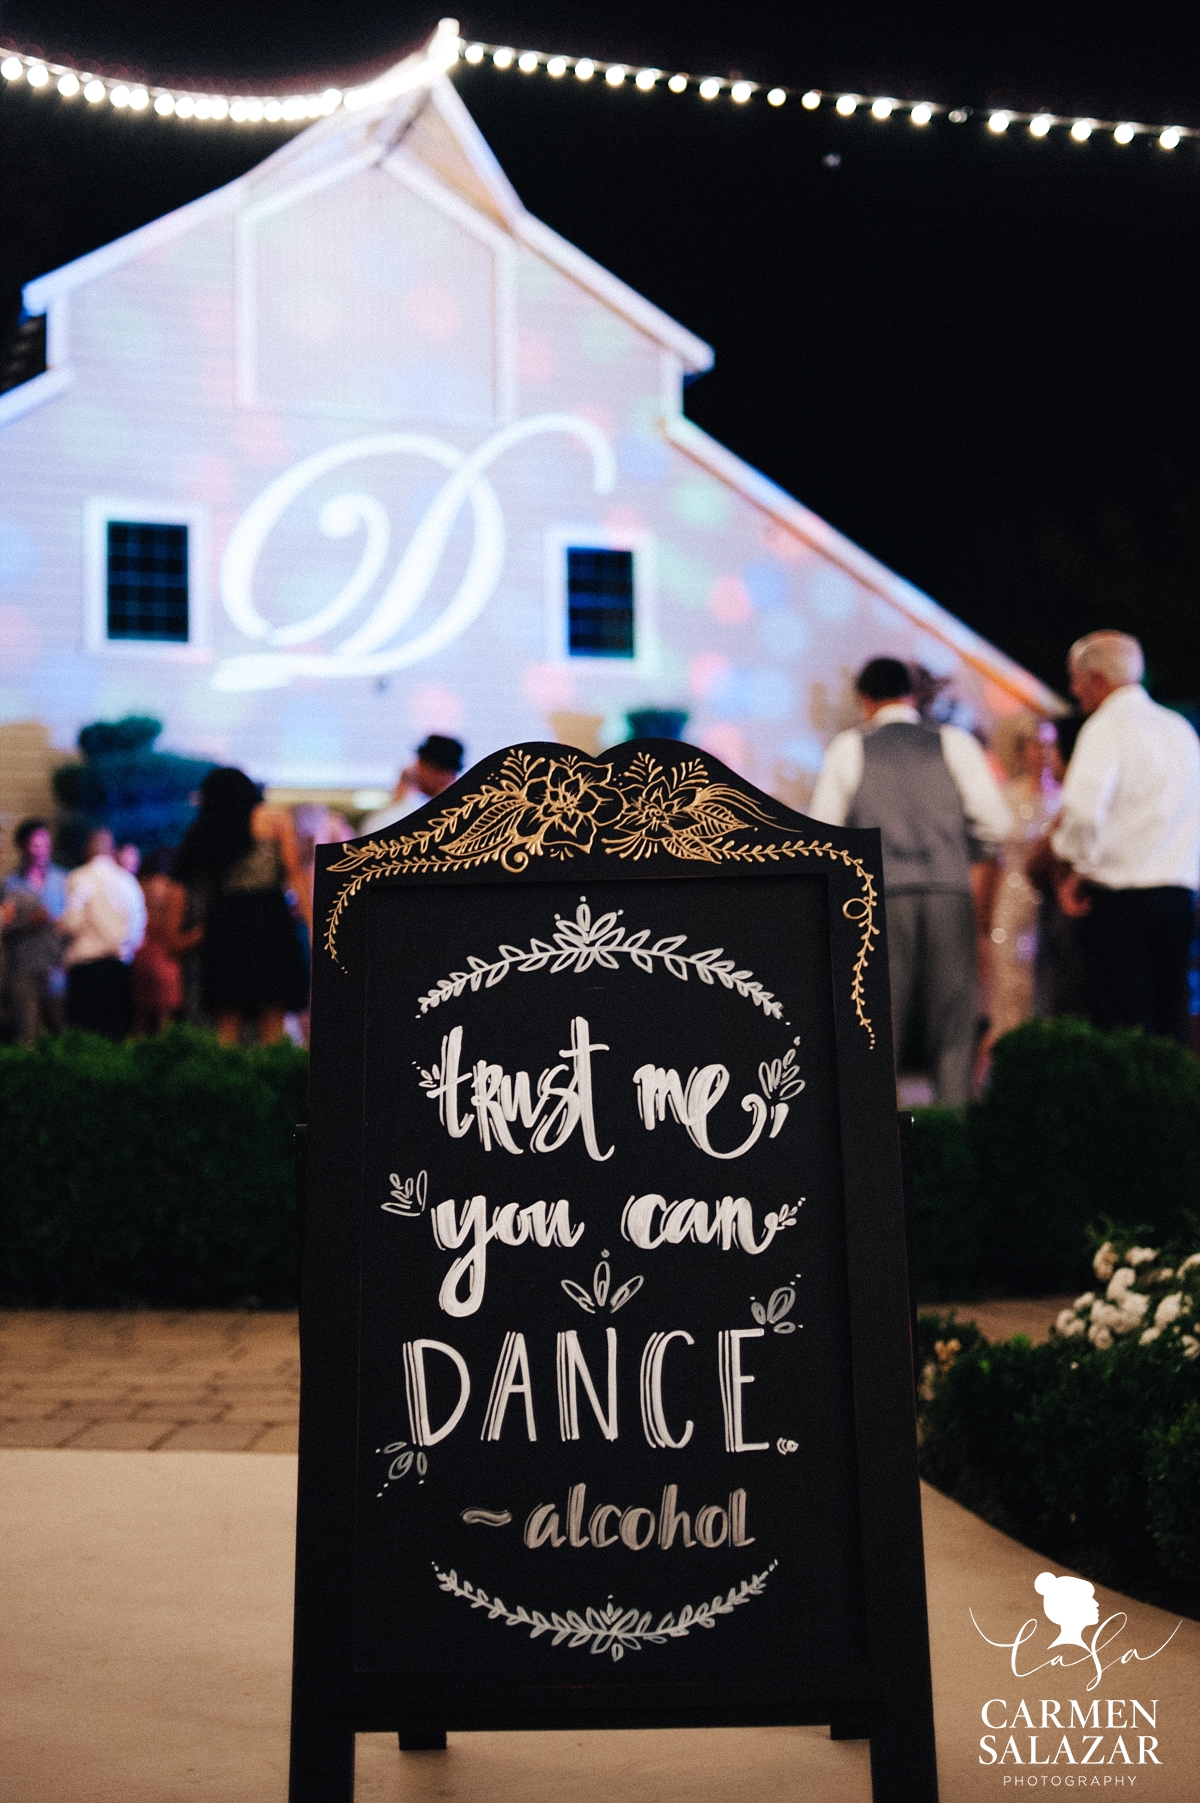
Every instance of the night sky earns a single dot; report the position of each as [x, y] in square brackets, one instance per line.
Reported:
[976, 356]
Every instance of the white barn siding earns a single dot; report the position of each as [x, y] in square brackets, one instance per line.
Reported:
[393, 316]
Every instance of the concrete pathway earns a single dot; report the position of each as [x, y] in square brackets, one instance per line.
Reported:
[144, 1659]
[212, 1381]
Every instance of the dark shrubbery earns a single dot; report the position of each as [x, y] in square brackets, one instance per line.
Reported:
[1076, 1126]
[140, 794]
[158, 1171]
[1090, 1457]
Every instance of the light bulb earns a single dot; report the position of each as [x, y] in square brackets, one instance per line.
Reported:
[1039, 126]
[922, 113]
[1125, 133]
[585, 68]
[710, 87]
[527, 62]
[203, 107]
[119, 96]
[556, 67]
[645, 79]
[502, 58]
[139, 100]
[238, 111]
[1169, 139]
[1081, 131]
[614, 75]
[999, 122]
[677, 84]
[882, 109]
[218, 108]
[331, 99]
[846, 104]
[37, 75]
[474, 53]
[272, 111]
[741, 91]
[254, 111]
[811, 100]
[68, 86]
[12, 68]
[94, 91]
[776, 96]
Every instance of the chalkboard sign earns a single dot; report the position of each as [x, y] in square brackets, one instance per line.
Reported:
[607, 1397]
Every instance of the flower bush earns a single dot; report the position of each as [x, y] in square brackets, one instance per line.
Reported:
[1143, 1296]
[1086, 1448]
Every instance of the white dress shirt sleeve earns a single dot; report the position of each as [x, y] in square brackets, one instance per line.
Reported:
[988, 816]
[1088, 790]
[838, 783]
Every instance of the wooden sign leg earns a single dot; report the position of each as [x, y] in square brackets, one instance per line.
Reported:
[420, 1736]
[903, 1757]
[322, 1760]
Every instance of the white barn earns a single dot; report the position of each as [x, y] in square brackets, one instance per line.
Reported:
[354, 449]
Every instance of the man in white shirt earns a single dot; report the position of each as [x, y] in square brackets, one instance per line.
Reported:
[103, 922]
[438, 762]
[931, 793]
[1128, 838]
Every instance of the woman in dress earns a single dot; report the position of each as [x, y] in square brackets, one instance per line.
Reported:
[1025, 746]
[243, 855]
[157, 975]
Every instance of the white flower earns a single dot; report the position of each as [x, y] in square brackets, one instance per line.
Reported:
[1064, 1321]
[1105, 1261]
[1168, 1310]
[1100, 1338]
[1140, 1255]
[1191, 1346]
[1075, 1325]
[1151, 1333]
[1086, 1300]
[1122, 1281]
[1163, 1275]
[1105, 1315]
[1189, 1264]
[1133, 1307]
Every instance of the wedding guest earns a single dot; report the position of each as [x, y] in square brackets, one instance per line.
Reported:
[438, 762]
[931, 792]
[1025, 747]
[33, 899]
[157, 972]
[1128, 838]
[104, 922]
[129, 857]
[243, 856]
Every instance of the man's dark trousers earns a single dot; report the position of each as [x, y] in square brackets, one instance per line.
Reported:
[931, 953]
[100, 997]
[1136, 944]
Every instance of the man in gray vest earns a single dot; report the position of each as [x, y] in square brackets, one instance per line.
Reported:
[931, 793]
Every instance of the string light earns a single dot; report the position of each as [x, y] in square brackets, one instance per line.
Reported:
[446, 48]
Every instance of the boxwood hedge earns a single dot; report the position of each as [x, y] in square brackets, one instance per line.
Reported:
[158, 1171]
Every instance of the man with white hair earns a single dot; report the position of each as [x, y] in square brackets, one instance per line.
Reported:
[1128, 836]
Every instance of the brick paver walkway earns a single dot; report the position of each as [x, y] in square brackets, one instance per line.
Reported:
[147, 1381]
[210, 1381]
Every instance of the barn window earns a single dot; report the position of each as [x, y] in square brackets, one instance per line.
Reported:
[600, 602]
[145, 564]
[147, 581]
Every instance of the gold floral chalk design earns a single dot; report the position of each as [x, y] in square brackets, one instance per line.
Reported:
[563, 805]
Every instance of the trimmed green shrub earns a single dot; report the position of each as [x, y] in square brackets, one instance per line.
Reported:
[1078, 1125]
[1090, 1457]
[948, 1219]
[158, 1171]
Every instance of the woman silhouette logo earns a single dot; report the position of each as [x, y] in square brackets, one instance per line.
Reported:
[1070, 1603]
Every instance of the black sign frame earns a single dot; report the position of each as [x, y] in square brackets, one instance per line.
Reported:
[646, 811]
